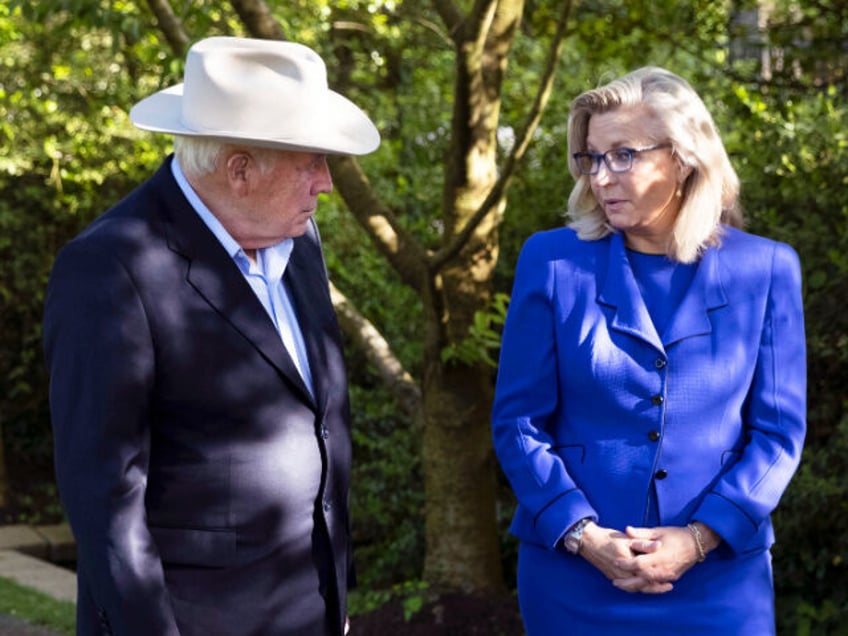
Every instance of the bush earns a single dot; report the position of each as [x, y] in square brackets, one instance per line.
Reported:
[811, 554]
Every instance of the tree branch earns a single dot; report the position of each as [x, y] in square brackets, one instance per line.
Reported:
[534, 116]
[400, 248]
[368, 340]
[450, 15]
[481, 16]
[170, 26]
[257, 17]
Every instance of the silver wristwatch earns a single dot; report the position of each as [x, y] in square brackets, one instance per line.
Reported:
[574, 537]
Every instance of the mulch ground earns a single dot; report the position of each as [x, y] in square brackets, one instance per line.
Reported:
[449, 615]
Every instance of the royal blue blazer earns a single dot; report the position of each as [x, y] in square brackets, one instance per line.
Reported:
[594, 408]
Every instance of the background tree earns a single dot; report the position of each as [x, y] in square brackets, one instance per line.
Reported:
[422, 236]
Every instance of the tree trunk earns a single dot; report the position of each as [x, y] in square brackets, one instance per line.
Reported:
[457, 454]
[454, 282]
[462, 549]
[4, 475]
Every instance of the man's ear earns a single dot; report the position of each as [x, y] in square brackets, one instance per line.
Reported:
[238, 167]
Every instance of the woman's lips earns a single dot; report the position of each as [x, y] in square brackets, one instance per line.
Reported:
[614, 205]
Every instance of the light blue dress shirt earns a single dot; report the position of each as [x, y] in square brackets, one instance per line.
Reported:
[265, 277]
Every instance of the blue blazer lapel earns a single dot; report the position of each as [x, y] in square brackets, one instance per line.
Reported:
[620, 291]
[214, 275]
[705, 294]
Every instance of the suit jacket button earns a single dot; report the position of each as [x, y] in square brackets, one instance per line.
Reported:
[326, 506]
[657, 400]
[325, 432]
[654, 436]
[662, 473]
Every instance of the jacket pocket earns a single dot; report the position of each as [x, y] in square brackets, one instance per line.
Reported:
[182, 495]
[571, 454]
[190, 546]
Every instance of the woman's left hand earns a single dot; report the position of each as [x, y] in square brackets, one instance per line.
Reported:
[655, 572]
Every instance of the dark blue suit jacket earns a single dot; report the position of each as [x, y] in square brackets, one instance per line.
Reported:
[594, 409]
[206, 488]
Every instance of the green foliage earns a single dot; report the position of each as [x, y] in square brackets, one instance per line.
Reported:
[39, 504]
[811, 554]
[66, 153]
[387, 498]
[413, 596]
[70, 69]
[362, 274]
[36, 608]
[791, 152]
[484, 337]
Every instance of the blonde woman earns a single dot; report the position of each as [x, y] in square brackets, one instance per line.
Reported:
[650, 403]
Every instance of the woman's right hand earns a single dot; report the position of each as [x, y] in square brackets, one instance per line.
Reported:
[605, 547]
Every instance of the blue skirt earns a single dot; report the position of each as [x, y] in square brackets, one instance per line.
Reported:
[563, 595]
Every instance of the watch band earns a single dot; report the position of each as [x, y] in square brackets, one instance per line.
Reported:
[574, 537]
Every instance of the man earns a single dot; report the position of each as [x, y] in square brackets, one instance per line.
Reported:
[198, 391]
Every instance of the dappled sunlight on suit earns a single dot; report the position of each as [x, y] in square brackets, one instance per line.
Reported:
[206, 486]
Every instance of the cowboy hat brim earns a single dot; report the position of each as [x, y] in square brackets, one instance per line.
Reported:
[343, 129]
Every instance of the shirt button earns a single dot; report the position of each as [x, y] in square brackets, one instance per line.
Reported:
[654, 436]
[662, 473]
[657, 400]
[660, 363]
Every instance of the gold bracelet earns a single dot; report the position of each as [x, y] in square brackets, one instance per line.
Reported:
[696, 533]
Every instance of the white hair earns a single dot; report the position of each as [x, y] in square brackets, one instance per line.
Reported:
[198, 155]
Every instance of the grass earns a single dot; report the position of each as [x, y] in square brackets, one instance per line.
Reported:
[36, 608]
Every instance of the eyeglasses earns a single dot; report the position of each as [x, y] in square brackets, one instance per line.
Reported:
[617, 159]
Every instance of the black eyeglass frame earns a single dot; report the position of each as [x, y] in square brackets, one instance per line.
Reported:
[597, 157]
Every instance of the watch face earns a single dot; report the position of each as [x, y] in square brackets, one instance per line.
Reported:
[573, 538]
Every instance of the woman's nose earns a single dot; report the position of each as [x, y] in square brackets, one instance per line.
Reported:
[604, 175]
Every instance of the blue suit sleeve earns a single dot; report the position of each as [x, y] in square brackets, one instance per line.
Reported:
[775, 415]
[100, 358]
[527, 398]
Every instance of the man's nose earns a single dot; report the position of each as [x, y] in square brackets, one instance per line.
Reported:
[323, 182]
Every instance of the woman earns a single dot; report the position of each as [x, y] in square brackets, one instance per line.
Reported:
[650, 402]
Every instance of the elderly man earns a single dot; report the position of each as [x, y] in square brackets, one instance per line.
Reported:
[198, 390]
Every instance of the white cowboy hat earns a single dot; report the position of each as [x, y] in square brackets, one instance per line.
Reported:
[261, 93]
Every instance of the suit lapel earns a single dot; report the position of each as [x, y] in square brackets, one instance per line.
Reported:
[214, 275]
[691, 318]
[620, 291]
[308, 289]
[705, 294]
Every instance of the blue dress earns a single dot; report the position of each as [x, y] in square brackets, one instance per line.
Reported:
[636, 392]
